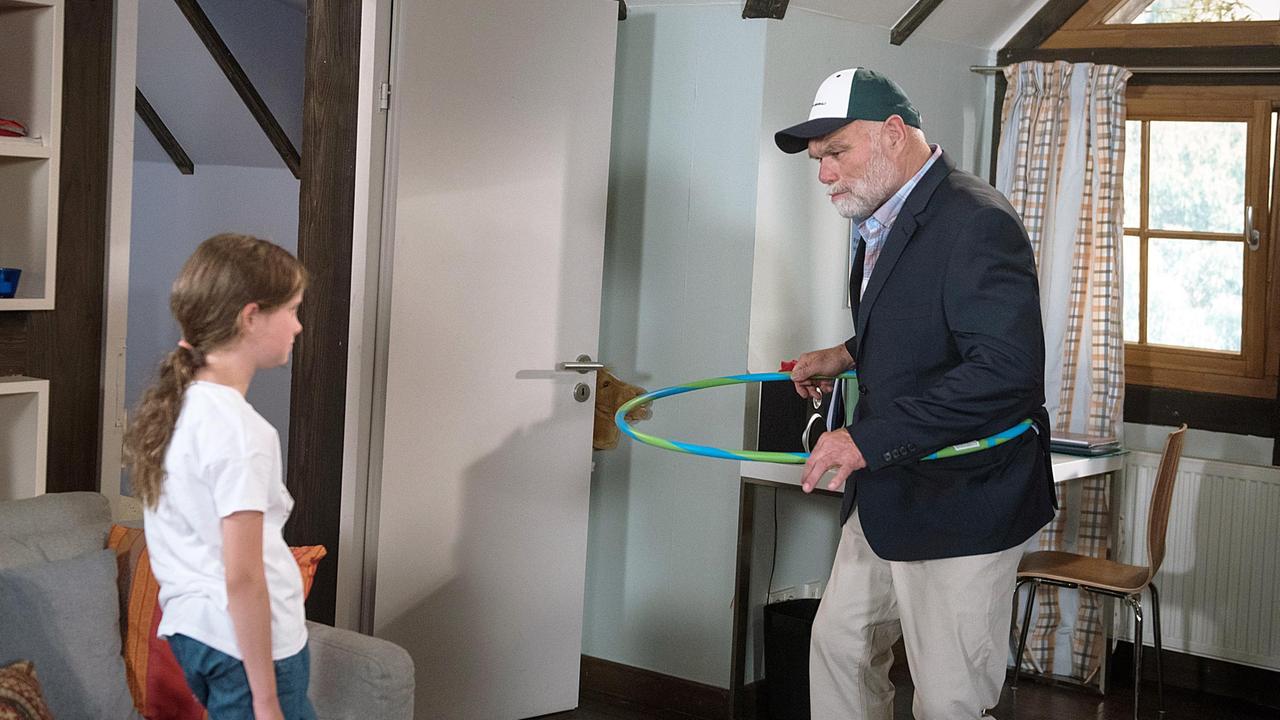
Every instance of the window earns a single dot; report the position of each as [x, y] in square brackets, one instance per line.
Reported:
[1158, 12]
[1169, 24]
[1199, 169]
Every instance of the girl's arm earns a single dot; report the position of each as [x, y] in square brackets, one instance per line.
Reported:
[250, 606]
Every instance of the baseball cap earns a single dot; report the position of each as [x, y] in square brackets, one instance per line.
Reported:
[852, 94]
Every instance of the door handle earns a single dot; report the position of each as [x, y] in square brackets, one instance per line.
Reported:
[1252, 236]
[583, 365]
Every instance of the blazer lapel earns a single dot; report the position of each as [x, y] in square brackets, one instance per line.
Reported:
[903, 228]
[855, 284]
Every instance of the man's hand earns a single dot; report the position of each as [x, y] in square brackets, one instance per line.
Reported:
[835, 449]
[829, 362]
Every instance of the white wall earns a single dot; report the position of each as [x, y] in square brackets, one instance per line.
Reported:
[677, 286]
[172, 214]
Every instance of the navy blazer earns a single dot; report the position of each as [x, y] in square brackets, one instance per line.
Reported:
[949, 348]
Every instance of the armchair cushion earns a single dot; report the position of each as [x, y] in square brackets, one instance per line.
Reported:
[63, 616]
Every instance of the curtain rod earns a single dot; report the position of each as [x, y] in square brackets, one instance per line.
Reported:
[1183, 70]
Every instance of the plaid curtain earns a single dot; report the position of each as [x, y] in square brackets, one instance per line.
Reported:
[1061, 164]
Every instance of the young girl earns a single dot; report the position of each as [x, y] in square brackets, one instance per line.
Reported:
[207, 469]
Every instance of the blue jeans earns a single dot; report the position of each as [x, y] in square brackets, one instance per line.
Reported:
[220, 684]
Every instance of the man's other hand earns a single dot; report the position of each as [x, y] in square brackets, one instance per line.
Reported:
[835, 449]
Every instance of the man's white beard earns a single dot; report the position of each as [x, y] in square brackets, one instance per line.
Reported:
[868, 192]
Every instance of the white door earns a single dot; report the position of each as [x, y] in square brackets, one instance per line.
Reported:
[500, 149]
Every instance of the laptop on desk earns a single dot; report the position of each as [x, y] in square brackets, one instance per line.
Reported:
[1082, 443]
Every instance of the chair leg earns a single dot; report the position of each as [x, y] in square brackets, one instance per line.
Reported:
[1013, 622]
[1022, 636]
[1136, 603]
[1155, 618]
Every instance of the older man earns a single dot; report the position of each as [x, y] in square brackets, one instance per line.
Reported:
[949, 349]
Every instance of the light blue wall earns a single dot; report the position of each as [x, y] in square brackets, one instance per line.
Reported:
[172, 214]
[677, 288]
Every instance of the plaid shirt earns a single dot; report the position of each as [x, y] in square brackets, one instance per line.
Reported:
[876, 228]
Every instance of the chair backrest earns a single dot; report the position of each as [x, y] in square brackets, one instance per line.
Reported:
[1161, 499]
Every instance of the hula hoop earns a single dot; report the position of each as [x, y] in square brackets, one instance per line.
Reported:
[789, 458]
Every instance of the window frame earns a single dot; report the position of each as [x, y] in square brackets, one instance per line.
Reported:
[1253, 371]
[1088, 27]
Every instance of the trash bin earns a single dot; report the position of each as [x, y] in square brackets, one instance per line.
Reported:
[787, 625]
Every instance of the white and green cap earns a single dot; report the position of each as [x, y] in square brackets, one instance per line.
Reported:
[848, 95]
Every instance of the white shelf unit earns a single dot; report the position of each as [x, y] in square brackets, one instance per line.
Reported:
[24, 436]
[31, 93]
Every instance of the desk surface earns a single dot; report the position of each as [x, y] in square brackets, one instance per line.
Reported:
[1065, 467]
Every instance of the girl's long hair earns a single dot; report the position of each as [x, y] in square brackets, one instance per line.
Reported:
[226, 273]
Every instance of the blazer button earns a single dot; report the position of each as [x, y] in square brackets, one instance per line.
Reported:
[863, 389]
[888, 457]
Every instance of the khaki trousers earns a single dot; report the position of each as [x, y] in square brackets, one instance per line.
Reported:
[953, 615]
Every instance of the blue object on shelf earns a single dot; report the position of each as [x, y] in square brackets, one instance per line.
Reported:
[9, 281]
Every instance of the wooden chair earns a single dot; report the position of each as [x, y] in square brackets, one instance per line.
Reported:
[1111, 578]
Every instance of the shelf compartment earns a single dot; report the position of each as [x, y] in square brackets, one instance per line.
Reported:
[31, 56]
[24, 432]
[28, 229]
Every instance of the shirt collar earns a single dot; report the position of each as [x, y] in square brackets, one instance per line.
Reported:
[884, 215]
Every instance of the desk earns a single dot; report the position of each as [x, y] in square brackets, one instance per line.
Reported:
[756, 475]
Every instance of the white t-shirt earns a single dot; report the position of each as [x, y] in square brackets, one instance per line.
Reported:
[223, 458]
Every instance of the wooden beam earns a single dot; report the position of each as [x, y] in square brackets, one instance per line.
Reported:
[64, 345]
[152, 120]
[1043, 24]
[326, 222]
[772, 9]
[911, 20]
[240, 81]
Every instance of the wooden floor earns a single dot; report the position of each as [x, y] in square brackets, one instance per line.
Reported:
[1033, 701]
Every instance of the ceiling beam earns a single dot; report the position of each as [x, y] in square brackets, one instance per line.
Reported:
[152, 120]
[240, 81]
[772, 9]
[1043, 24]
[911, 20]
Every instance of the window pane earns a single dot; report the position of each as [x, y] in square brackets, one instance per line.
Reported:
[1132, 273]
[1195, 293]
[1177, 11]
[1132, 173]
[1197, 176]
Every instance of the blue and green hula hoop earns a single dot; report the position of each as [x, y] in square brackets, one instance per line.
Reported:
[790, 458]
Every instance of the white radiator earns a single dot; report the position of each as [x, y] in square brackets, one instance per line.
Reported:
[1220, 581]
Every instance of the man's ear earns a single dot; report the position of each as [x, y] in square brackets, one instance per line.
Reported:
[895, 131]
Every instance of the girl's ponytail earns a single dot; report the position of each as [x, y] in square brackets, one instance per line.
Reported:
[150, 429]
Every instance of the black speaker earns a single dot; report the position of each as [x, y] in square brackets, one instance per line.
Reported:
[785, 418]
